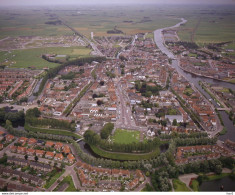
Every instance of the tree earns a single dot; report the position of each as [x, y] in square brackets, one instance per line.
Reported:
[26, 157]
[34, 112]
[36, 158]
[38, 102]
[1, 99]
[8, 124]
[94, 96]
[218, 168]
[101, 83]
[106, 130]
[174, 122]
[99, 102]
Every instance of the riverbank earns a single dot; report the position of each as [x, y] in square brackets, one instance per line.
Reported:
[200, 183]
[200, 75]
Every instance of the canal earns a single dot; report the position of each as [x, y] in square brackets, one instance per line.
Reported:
[86, 149]
[215, 185]
[193, 79]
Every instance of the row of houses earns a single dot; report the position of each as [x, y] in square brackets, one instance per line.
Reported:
[37, 181]
[85, 171]
[230, 144]
[41, 153]
[190, 154]
[16, 187]
[35, 165]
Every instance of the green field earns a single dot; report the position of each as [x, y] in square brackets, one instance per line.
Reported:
[131, 20]
[122, 136]
[210, 25]
[179, 186]
[53, 179]
[125, 156]
[32, 57]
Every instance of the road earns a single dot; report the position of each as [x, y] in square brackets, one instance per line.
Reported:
[4, 150]
[125, 119]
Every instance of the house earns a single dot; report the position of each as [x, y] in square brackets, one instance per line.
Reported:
[40, 166]
[58, 146]
[17, 161]
[230, 144]
[178, 118]
[139, 175]
[71, 158]
[39, 153]
[37, 181]
[3, 183]
[13, 148]
[32, 141]
[26, 177]
[59, 157]
[13, 187]
[1, 146]
[132, 184]
[30, 152]
[125, 173]
[49, 155]
[22, 140]
[9, 138]
[115, 172]
[7, 172]
[66, 149]
[40, 142]
[49, 144]
[21, 150]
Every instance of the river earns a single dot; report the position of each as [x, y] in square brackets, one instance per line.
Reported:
[193, 79]
[86, 149]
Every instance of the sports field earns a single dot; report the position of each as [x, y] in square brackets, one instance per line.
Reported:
[32, 57]
[122, 136]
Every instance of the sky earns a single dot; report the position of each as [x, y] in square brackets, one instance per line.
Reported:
[101, 2]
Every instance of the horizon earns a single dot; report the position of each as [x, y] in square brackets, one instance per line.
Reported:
[28, 3]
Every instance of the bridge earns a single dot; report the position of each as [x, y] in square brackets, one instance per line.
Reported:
[223, 109]
[79, 140]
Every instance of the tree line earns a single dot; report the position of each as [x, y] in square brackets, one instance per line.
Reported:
[32, 118]
[16, 117]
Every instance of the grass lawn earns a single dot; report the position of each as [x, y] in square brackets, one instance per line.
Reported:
[53, 179]
[215, 177]
[195, 185]
[188, 91]
[68, 180]
[125, 156]
[122, 136]
[32, 57]
[179, 186]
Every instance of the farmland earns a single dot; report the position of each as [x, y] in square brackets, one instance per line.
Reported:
[32, 57]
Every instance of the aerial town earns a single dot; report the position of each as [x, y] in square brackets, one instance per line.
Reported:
[141, 112]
